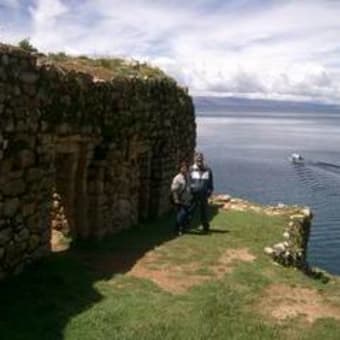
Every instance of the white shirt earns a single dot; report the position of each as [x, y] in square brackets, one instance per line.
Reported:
[180, 186]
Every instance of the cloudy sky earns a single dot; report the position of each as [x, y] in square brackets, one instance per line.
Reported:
[277, 49]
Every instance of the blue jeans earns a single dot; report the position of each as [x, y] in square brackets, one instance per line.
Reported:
[201, 202]
[181, 217]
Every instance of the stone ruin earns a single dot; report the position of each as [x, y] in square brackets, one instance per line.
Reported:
[85, 156]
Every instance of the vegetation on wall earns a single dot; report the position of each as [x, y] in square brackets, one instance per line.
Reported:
[26, 45]
[104, 68]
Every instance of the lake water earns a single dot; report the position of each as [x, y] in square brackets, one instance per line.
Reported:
[249, 152]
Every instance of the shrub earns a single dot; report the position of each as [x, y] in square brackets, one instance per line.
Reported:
[60, 56]
[26, 45]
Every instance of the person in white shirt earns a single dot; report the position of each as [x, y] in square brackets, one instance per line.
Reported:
[181, 197]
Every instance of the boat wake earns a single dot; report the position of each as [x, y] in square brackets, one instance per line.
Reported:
[321, 185]
[331, 167]
[297, 160]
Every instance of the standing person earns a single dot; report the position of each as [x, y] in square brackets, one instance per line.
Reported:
[201, 186]
[181, 197]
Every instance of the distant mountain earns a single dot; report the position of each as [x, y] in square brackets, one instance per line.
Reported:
[234, 104]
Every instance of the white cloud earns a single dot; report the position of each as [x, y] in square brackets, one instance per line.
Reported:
[45, 19]
[45, 12]
[283, 49]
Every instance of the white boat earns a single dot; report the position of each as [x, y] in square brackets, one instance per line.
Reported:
[296, 158]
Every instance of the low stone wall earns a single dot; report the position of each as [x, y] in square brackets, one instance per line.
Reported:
[292, 249]
[106, 150]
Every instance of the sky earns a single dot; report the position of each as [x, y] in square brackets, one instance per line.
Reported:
[270, 49]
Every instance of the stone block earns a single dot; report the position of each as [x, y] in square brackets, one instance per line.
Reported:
[46, 236]
[10, 126]
[6, 167]
[34, 174]
[40, 252]
[29, 77]
[29, 89]
[22, 236]
[33, 224]
[11, 207]
[5, 60]
[18, 220]
[26, 159]
[14, 188]
[33, 242]
[18, 269]
[28, 209]
[3, 74]
[17, 174]
[14, 252]
[17, 91]
[5, 236]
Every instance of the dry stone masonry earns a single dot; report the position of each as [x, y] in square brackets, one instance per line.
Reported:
[96, 156]
[292, 250]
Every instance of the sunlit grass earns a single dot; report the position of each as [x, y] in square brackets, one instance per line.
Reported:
[67, 296]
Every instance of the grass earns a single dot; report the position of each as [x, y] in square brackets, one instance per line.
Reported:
[104, 68]
[72, 296]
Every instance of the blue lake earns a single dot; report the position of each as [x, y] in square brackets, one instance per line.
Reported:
[249, 152]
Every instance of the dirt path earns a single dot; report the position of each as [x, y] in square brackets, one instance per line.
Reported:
[282, 302]
[180, 278]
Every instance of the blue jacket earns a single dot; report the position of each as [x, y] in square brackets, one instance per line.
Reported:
[201, 180]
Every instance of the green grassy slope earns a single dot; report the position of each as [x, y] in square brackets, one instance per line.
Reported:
[91, 292]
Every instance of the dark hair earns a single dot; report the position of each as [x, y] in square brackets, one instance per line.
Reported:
[181, 164]
[198, 155]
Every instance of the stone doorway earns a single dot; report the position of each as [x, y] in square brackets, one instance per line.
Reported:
[70, 198]
[62, 213]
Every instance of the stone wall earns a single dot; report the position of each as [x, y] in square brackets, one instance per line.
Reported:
[292, 250]
[105, 150]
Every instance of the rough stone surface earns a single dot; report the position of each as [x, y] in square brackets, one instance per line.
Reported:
[107, 150]
[5, 236]
[11, 207]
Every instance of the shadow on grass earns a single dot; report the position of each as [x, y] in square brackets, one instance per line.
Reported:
[39, 303]
[202, 233]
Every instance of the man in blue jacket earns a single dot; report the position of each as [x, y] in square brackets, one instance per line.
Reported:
[201, 186]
